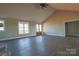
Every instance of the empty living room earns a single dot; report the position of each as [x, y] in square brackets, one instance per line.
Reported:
[39, 29]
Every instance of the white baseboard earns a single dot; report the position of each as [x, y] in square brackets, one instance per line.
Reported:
[56, 35]
[14, 38]
[28, 36]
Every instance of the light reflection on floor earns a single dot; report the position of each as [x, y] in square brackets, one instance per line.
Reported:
[24, 46]
[41, 45]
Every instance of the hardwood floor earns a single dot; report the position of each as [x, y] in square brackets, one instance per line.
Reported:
[43, 46]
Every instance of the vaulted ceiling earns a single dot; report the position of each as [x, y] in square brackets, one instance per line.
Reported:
[25, 11]
[65, 6]
[33, 11]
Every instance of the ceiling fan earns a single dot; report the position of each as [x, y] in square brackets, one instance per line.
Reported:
[43, 5]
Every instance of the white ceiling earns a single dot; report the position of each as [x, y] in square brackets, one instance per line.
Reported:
[31, 12]
[65, 6]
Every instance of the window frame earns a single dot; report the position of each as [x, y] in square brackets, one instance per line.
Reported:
[38, 27]
[3, 26]
[23, 22]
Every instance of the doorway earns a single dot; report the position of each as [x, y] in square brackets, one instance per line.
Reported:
[72, 28]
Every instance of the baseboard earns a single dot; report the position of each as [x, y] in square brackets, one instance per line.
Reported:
[12, 38]
[56, 35]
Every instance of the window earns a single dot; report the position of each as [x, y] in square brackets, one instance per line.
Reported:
[23, 27]
[1, 25]
[38, 27]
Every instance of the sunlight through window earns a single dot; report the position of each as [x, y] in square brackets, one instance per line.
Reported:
[38, 27]
[1, 25]
[23, 27]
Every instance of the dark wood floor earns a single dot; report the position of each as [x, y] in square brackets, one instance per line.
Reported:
[43, 46]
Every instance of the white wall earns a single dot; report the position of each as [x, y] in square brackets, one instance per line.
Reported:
[11, 29]
[55, 24]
